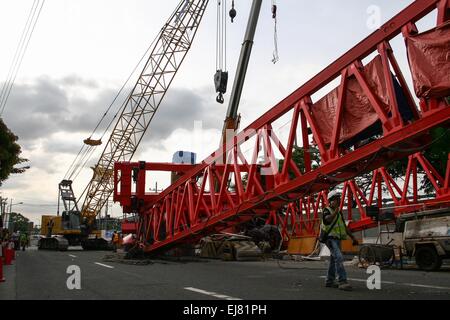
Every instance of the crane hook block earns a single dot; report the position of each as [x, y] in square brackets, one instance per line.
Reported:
[233, 12]
[221, 82]
[92, 143]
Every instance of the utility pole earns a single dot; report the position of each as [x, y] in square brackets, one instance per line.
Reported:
[2, 212]
[3, 203]
[10, 213]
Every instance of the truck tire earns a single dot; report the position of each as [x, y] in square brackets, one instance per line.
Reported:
[427, 258]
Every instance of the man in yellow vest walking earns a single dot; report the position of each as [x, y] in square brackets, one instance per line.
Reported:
[334, 225]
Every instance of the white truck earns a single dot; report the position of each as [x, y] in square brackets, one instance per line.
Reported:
[428, 240]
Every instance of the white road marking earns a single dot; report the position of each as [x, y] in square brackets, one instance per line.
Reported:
[71, 255]
[212, 294]
[426, 286]
[401, 284]
[104, 265]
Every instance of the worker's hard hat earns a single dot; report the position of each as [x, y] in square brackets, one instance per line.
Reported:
[333, 194]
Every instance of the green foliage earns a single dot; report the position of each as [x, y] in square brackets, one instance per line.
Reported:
[298, 156]
[19, 222]
[9, 153]
[436, 153]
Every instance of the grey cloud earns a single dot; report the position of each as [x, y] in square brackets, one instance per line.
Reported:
[38, 111]
[75, 80]
[180, 110]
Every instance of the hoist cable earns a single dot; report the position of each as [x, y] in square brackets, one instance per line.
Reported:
[25, 47]
[16, 54]
[225, 35]
[80, 162]
[120, 91]
[217, 34]
[221, 34]
[74, 161]
[87, 158]
[275, 33]
[110, 107]
[128, 79]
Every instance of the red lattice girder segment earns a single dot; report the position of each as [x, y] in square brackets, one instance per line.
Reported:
[301, 217]
[202, 201]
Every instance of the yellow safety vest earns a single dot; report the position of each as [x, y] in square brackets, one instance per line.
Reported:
[339, 230]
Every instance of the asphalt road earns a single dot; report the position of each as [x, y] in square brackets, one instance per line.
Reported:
[42, 275]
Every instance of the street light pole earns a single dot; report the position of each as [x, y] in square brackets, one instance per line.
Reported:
[7, 221]
[3, 202]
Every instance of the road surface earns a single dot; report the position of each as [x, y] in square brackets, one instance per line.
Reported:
[43, 275]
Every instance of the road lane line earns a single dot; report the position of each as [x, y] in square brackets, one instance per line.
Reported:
[71, 255]
[212, 294]
[104, 265]
[426, 286]
[401, 284]
[362, 280]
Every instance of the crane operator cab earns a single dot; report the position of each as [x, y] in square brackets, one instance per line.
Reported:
[70, 220]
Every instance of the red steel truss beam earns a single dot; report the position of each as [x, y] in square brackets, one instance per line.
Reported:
[202, 200]
[301, 218]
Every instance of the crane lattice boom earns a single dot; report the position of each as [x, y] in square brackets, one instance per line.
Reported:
[170, 49]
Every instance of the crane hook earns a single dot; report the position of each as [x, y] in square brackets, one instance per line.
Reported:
[220, 98]
[233, 12]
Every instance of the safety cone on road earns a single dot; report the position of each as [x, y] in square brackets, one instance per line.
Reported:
[8, 257]
[2, 278]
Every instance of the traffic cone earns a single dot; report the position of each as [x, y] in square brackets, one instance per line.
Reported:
[2, 278]
[8, 257]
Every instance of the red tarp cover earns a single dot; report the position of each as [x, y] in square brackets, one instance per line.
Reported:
[358, 112]
[429, 59]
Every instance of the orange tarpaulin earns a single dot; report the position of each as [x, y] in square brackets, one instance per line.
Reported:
[429, 60]
[358, 112]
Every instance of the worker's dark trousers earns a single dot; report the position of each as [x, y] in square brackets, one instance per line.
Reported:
[336, 262]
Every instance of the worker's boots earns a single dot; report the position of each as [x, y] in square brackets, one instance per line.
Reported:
[345, 286]
[331, 285]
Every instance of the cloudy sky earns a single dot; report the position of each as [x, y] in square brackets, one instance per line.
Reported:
[82, 51]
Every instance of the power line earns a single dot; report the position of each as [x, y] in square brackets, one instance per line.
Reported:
[20, 52]
[16, 54]
[76, 165]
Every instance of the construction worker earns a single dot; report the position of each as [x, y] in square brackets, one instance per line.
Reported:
[50, 225]
[334, 225]
[15, 239]
[115, 241]
[23, 240]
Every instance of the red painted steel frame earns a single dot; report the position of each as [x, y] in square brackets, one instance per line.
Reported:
[204, 201]
[301, 218]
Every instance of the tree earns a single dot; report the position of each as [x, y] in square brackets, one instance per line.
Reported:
[298, 156]
[9, 153]
[436, 153]
[19, 222]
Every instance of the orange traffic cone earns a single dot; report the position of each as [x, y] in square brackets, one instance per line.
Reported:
[2, 278]
[8, 256]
